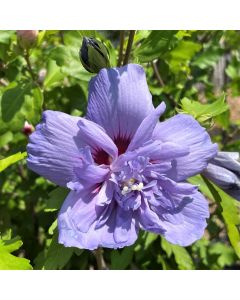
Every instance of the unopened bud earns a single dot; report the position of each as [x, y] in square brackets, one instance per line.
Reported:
[27, 128]
[94, 55]
[224, 171]
[42, 75]
[27, 38]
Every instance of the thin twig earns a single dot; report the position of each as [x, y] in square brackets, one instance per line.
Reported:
[61, 35]
[129, 46]
[161, 82]
[21, 172]
[120, 57]
[29, 66]
[100, 260]
[157, 74]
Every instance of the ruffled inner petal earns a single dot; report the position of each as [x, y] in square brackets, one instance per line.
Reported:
[182, 210]
[115, 231]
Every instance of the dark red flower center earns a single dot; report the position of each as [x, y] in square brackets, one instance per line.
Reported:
[101, 157]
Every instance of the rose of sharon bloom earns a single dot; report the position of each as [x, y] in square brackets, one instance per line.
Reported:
[126, 170]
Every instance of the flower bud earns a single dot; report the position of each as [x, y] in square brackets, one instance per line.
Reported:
[94, 55]
[27, 38]
[42, 75]
[224, 171]
[27, 128]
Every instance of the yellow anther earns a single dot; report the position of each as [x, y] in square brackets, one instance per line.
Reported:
[131, 181]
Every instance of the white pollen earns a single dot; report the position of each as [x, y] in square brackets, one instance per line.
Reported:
[134, 187]
[130, 186]
[125, 190]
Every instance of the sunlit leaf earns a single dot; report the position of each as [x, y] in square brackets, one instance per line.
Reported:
[226, 255]
[229, 208]
[182, 54]
[203, 112]
[155, 45]
[54, 76]
[6, 162]
[68, 61]
[182, 257]
[7, 260]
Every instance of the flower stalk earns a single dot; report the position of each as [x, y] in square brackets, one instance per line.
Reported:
[120, 57]
[100, 259]
[129, 47]
[157, 74]
[29, 66]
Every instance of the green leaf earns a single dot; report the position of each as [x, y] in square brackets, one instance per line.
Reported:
[56, 198]
[87, 33]
[52, 227]
[229, 208]
[61, 55]
[155, 45]
[201, 247]
[68, 59]
[223, 120]
[182, 257]
[57, 255]
[54, 76]
[233, 69]
[13, 99]
[203, 112]
[112, 53]
[183, 33]
[121, 260]
[5, 36]
[32, 108]
[40, 37]
[214, 255]
[226, 255]
[208, 58]
[181, 55]
[17, 108]
[229, 213]
[150, 238]
[6, 162]
[73, 38]
[5, 138]
[9, 261]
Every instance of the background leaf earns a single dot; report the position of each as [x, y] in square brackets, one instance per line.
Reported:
[6, 162]
[9, 261]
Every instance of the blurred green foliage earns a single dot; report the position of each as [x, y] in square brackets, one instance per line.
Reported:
[194, 72]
